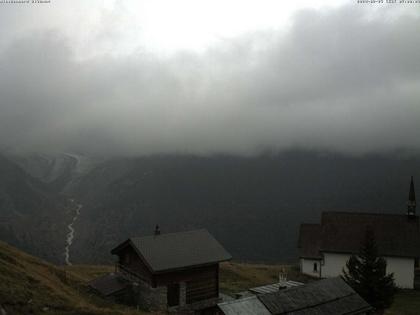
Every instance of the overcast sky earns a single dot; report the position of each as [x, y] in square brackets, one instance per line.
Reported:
[142, 77]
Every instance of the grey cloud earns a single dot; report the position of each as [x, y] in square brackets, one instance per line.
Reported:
[336, 80]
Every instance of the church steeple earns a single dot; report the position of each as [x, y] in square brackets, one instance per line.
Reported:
[411, 205]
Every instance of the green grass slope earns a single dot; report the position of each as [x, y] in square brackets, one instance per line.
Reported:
[29, 285]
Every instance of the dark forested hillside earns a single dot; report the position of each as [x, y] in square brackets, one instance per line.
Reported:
[252, 205]
[31, 215]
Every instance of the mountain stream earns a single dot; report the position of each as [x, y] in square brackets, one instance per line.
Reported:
[70, 234]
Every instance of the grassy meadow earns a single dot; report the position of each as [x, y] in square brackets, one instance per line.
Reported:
[29, 285]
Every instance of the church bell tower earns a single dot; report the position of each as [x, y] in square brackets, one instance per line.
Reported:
[411, 205]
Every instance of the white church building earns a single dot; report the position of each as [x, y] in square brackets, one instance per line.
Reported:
[325, 248]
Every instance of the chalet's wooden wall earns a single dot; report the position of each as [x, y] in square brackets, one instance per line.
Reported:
[130, 259]
[201, 283]
[201, 289]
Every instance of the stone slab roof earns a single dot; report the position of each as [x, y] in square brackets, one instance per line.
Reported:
[328, 297]
[245, 306]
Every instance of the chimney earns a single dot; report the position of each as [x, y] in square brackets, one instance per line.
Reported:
[157, 230]
[411, 204]
[282, 275]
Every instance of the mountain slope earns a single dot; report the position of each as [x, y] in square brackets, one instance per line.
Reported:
[29, 285]
[58, 171]
[241, 200]
[32, 216]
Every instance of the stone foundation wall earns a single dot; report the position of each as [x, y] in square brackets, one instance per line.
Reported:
[182, 293]
[196, 306]
[155, 299]
[149, 298]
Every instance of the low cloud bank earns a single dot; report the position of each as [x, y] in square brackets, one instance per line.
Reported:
[338, 80]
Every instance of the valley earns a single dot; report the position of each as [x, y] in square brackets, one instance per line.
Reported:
[240, 200]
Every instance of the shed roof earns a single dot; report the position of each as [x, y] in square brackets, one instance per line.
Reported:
[171, 251]
[274, 287]
[246, 306]
[330, 296]
[108, 284]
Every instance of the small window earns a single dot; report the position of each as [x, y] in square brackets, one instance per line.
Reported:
[315, 267]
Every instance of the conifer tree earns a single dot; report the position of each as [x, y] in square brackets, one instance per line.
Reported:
[366, 274]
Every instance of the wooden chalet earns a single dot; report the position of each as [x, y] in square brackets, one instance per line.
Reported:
[176, 272]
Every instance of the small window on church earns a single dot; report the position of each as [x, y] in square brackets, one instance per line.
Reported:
[315, 267]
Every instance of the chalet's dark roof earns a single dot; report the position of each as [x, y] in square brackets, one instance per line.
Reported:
[108, 284]
[178, 250]
[328, 297]
[309, 241]
[395, 235]
[343, 232]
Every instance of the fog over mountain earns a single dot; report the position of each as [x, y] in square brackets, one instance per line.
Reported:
[246, 118]
[342, 78]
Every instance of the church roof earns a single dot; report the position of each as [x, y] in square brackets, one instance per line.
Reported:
[343, 232]
[309, 241]
[395, 235]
